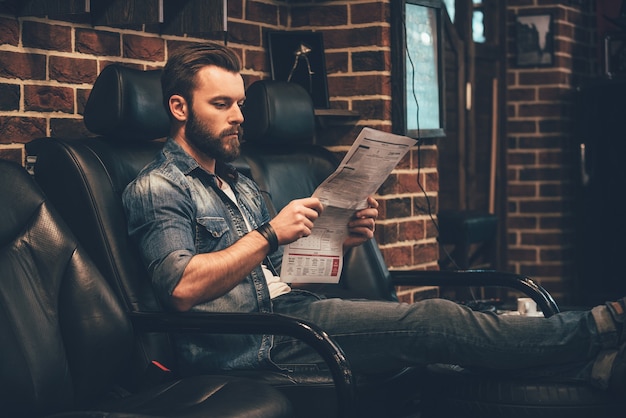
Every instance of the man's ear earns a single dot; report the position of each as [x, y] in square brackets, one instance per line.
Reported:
[178, 107]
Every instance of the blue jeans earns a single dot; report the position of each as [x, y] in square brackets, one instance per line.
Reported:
[384, 336]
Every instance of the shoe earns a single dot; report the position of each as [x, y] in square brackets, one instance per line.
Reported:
[617, 381]
[618, 312]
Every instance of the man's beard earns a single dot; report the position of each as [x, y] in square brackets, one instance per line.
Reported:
[210, 143]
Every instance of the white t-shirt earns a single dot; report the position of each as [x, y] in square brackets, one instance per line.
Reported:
[276, 287]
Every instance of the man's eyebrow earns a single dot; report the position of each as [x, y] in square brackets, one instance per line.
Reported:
[227, 98]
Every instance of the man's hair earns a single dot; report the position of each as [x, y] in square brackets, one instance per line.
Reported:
[179, 74]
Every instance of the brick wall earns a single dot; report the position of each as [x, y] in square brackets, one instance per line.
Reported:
[47, 68]
[542, 153]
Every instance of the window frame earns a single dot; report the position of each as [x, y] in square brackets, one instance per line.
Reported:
[400, 118]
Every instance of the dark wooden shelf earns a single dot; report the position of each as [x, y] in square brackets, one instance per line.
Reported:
[327, 117]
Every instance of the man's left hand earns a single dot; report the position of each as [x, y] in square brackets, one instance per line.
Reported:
[362, 225]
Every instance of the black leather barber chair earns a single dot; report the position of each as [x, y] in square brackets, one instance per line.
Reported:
[85, 178]
[66, 339]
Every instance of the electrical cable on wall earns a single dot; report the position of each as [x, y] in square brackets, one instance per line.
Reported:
[419, 145]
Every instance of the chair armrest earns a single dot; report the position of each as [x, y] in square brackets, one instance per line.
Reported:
[256, 323]
[487, 278]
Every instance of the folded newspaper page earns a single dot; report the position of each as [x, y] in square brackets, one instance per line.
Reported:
[318, 258]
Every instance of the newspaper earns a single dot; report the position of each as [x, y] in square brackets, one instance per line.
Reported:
[318, 258]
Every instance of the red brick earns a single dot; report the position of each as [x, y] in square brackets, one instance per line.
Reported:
[540, 173]
[555, 190]
[431, 181]
[97, 42]
[556, 221]
[9, 31]
[389, 186]
[386, 233]
[399, 208]
[262, 12]
[517, 222]
[398, 256]
[143, 48]
[336, 62]
[540, 110]
[9, 97]
[542, 206]
[73, 70]
[521, 94]
[69, 128]
[523, 254]
[427, 158]
[356, 37]
[256, 60]
[518, 127]
[535, 78]
[405, 298]
[283, 15]
[359, 85]
[369, 12]
[411, 231]
[407, 183]
[316, 16]
[371, 61]
[425, 253]
[21, 129]
[24, 66]
[431, 229]
[82, 95]
[521, 190]
[425, 205]
[245, 33]
[370, 108]
[552, 93]
[48, 99]
[382, 208]
[13, 154]
[405, 161]
[46, 36]
[235, 9]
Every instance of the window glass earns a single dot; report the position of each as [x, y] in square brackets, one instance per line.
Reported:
[478, 26]
[450, 8]
[422, 80]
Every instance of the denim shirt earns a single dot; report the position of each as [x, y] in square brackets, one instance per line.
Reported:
[176, 210]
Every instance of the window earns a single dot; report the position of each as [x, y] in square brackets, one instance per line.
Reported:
[478, 23]
[417, 74]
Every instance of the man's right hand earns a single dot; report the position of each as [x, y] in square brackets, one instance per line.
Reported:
[296, 219]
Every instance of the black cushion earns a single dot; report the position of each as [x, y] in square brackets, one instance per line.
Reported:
[127, 103]
[66, 339]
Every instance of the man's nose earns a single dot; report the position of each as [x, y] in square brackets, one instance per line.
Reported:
[236, 115]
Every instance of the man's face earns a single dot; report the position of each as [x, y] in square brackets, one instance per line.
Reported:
[213, 124]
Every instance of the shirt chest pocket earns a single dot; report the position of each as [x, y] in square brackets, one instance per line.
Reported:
[212, 234]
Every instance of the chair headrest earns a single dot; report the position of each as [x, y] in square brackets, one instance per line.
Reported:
[278, 112]
[127, 103]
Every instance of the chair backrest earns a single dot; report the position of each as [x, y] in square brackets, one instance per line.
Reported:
[279, 149]
[65, 337]
[85, 178]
